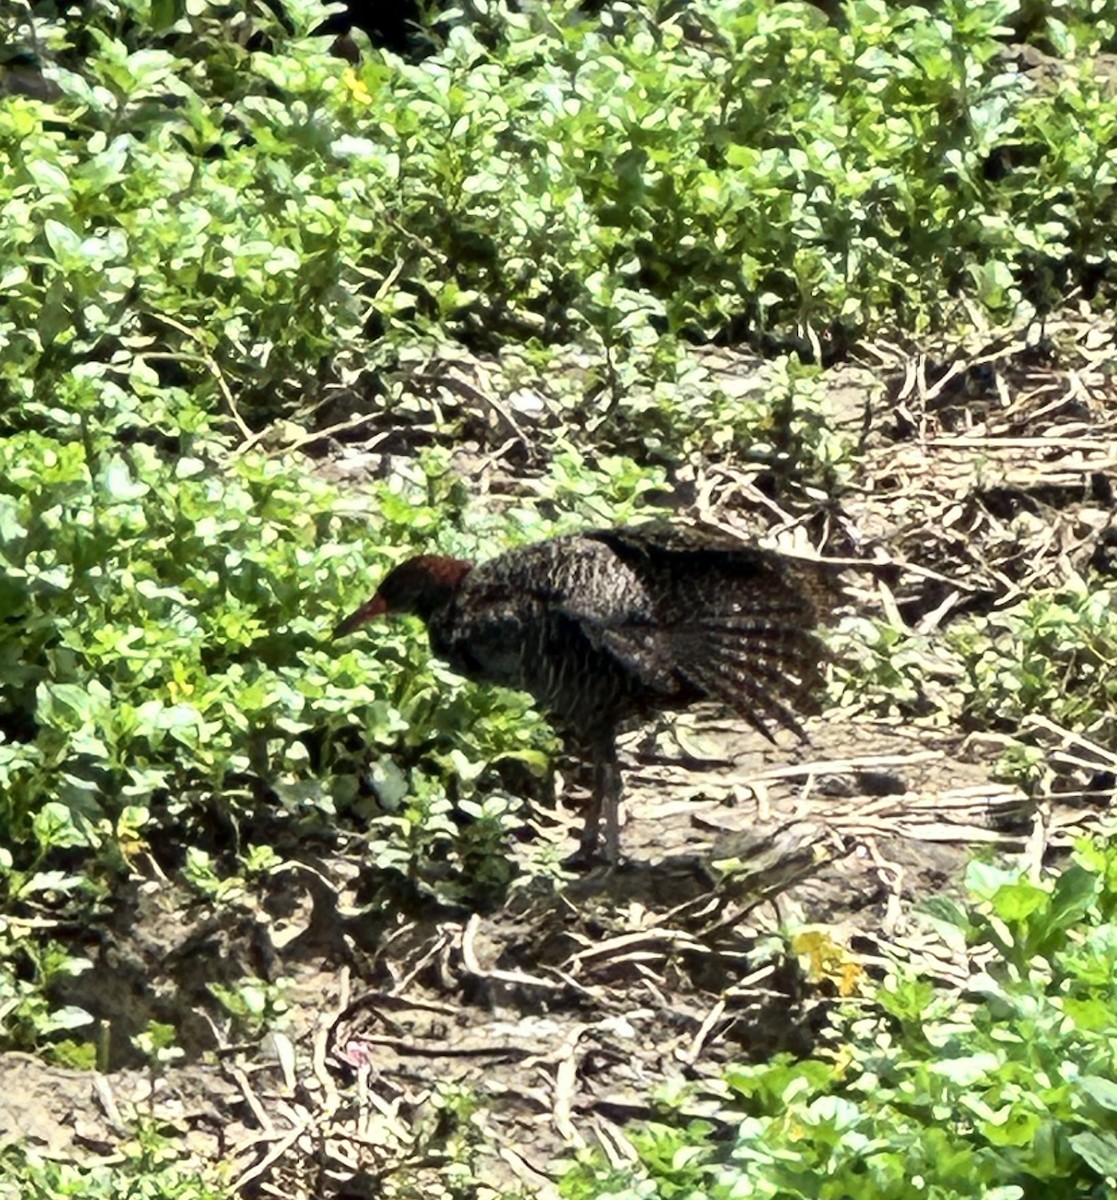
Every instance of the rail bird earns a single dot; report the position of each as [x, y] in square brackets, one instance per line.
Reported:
[612, 625]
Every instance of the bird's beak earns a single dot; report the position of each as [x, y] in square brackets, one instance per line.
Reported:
[369, 611]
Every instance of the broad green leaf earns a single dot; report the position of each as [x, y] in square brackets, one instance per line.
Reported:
[119, 482]
[1102, 1091]
[1075, 890]
[65, 1017]
[56, 828]
[1099, 1150]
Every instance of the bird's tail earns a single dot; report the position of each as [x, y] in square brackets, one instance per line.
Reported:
[767, 669]
[751, 641]
[733, 622]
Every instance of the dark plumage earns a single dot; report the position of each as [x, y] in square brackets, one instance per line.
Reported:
[395, 25]
[613, 624]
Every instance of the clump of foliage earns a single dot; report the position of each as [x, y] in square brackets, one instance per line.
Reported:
[1003, 1088]
[148, 1172]
[1052, 653]
[167, 657]
[749, 169]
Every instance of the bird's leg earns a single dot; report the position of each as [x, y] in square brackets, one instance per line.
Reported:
[610, 773]
[605, 801]
[587, 844]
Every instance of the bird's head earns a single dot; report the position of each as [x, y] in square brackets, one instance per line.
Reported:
[420, 586]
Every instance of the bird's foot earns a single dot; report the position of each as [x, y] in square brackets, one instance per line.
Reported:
[584, 858]
[591, 854]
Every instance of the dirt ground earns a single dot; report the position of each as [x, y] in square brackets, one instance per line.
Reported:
[479, 1052]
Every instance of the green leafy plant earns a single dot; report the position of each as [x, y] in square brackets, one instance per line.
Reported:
[189, 244]
[253, 1006]
[1006, 1088]
[30, 969]
[1053, 653]
[147, 1174]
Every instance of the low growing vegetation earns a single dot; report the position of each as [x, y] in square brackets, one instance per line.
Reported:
[1004, 1087]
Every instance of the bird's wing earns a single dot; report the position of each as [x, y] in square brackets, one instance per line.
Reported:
[712, 554]
[708, 615]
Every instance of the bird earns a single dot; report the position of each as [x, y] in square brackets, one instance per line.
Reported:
[395, 25]
[613, 625]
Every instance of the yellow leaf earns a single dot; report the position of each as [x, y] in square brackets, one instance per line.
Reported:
[356, 86]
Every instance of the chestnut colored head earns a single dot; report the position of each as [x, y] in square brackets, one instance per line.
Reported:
[420, 586]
